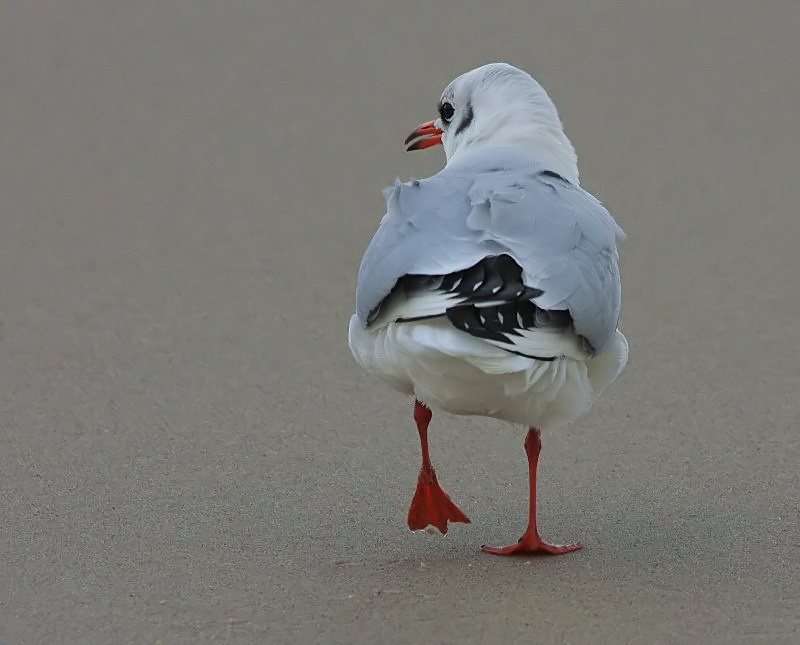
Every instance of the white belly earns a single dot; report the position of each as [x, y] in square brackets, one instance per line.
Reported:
[453, 371]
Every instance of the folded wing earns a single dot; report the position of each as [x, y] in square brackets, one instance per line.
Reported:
[509, 252]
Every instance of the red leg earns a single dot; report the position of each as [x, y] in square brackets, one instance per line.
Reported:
[530, 542]
[431, 505]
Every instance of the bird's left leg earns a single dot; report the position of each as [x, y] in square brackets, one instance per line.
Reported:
[531, 543]
[431, 505]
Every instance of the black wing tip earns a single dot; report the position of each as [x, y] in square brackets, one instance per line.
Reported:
[490, 299]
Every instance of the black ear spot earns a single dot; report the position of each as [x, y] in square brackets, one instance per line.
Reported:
[468, 116]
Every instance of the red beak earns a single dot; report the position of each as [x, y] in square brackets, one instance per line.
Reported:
[426, 135]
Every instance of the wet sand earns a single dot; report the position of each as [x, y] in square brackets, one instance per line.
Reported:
[191, 455]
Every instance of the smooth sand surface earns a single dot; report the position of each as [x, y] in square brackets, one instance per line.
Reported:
[189, 453]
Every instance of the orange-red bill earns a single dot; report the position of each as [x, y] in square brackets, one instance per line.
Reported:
[426, 135]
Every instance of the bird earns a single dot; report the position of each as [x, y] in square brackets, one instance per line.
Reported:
[492, 288]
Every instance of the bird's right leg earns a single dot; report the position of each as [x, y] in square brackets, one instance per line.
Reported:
[431, 505]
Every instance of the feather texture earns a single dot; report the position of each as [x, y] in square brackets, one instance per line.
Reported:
[439, 236]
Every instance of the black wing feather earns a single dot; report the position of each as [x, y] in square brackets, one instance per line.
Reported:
[491, 300]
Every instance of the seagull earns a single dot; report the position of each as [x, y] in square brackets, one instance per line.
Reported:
[492, 288]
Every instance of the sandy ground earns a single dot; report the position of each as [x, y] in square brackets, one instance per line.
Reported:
[189, 453]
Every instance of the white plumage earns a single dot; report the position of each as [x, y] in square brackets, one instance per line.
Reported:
[453, 371]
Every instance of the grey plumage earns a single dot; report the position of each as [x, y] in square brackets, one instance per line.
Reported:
[493, 202]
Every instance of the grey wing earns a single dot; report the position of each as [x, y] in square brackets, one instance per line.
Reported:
[437, 231]
[418, 235]
[565, 242]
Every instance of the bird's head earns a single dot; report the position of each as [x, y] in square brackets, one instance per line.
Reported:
[497, 105]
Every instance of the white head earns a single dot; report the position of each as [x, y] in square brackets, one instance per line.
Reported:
[498, 105]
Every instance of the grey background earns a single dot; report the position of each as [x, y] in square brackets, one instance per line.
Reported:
[189, 453]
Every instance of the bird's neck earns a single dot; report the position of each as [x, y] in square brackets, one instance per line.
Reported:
[541, 139]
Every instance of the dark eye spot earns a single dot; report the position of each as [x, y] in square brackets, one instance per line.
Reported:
[468, 116]
[446, 111]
